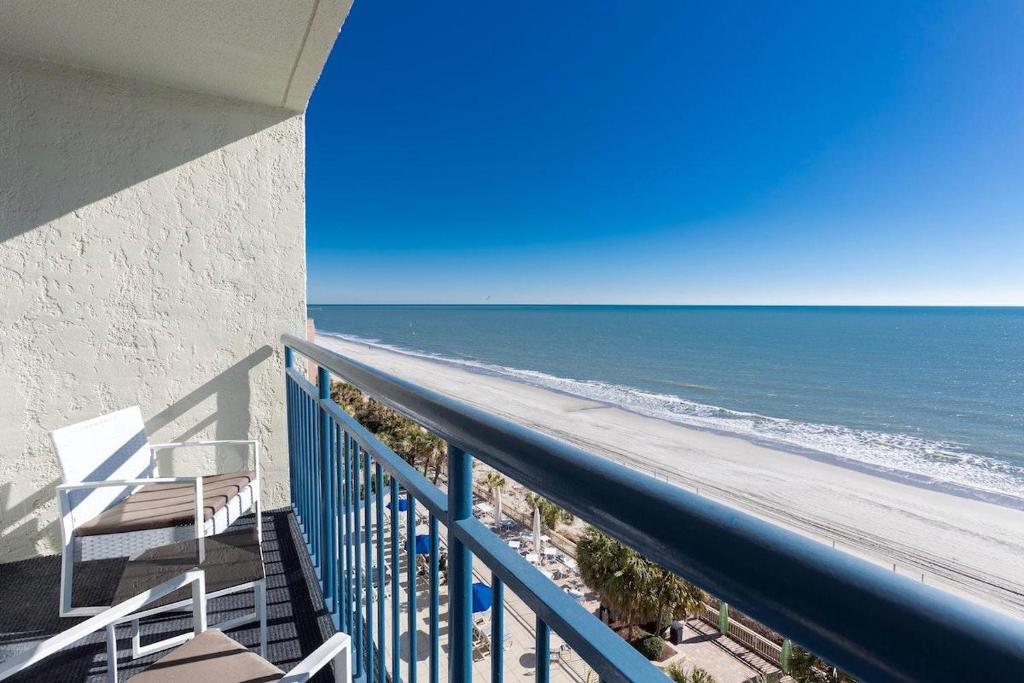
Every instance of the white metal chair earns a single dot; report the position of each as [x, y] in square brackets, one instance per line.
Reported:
[208, 655]
[112, 504]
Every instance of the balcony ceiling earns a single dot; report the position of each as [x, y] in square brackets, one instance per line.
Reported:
[269, 52]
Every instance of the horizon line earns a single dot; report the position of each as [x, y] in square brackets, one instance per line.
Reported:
[719, 305]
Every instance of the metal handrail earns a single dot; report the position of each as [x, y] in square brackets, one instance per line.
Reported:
[322, 459]
[874, 624]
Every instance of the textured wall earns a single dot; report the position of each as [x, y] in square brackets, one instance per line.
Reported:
[151, 252]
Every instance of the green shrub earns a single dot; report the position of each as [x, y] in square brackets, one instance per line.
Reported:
[699, 675]
[805, 667]
[676, 674]
[650, 646]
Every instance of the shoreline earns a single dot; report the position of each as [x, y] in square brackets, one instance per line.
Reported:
[906, 476]
[895, 475]
[962, 544]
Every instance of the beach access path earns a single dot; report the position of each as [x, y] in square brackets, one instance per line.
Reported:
[967, 546]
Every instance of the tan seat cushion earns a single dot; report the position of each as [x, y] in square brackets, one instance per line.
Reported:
[210, 657]
[157, 506]
[229, 559]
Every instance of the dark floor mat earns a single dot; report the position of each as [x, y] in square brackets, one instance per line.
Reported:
[296, 621]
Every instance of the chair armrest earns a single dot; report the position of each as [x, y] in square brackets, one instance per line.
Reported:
[111, 616]
[154, 447]
[336, 649]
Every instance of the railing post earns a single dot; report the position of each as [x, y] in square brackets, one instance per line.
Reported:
[435, 604]
[410, 541]
[328, 545]
[378, 494]
[356, 499]
[497, 629]
[289, 361]
[542, 640]
[460, 567]
[348, 536]
[394, 527]
[367, 498]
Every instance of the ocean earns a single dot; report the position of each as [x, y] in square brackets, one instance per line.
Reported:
[931, 395]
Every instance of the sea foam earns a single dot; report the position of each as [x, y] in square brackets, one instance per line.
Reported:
[939, 464]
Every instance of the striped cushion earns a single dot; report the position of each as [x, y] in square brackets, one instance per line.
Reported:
[157, 506]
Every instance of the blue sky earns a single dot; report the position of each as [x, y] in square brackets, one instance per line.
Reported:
[669, 152]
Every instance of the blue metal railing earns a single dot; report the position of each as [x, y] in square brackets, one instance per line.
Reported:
[874, 624]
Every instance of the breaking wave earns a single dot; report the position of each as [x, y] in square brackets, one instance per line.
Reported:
[936, 463]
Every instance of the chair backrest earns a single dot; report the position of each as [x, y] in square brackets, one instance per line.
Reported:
[112, 446]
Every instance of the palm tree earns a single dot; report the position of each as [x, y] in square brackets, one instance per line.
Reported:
[420, 445]
[616, 573]
[674, 598]
[550, 514]
[438, 461]
[494, 482]
[409, 440]
[634, 587]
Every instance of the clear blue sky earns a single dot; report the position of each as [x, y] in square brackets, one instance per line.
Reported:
[670, 152]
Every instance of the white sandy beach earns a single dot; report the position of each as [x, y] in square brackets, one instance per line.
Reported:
[970, 547]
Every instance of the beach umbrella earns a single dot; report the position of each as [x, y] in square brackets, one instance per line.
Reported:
[422, 544]
[481, 597]
[497, 507]
[536, 529]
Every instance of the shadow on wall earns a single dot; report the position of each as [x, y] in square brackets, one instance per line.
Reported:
[72, 137]
[231, 390]
[136, 227]
[19, 521]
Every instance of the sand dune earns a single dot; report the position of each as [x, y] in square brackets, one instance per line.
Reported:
[970, 547]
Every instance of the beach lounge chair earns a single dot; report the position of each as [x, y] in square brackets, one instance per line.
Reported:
[208, 655]
[112, 504]
[482, 638]
[370, 580]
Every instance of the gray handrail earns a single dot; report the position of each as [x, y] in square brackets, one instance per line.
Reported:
[874, 624]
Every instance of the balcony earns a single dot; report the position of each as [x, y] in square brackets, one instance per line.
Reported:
[366, 531]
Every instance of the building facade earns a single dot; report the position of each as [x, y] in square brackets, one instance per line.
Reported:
[152, 230]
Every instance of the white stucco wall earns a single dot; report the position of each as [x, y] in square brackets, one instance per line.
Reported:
[151, 252]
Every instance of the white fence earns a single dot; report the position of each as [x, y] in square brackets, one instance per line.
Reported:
[748, 638]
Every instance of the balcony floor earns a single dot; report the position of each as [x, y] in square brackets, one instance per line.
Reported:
[296, 622]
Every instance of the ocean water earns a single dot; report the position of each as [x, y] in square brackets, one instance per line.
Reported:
[931, 395]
